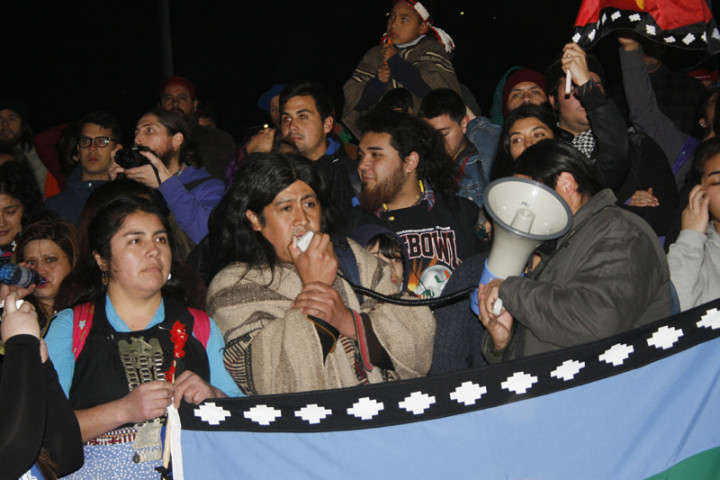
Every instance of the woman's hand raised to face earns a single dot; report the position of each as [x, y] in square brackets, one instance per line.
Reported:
[318, 262]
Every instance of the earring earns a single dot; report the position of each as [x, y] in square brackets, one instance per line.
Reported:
[169, 276]
[104, 278]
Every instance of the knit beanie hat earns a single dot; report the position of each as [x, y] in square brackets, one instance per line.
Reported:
[497, 116]
[16, 106]
[182, 81]
[523, 75]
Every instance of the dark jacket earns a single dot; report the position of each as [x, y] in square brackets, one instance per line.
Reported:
[70, 202]
[649, 168]
[607, 275]
[611, 155]
[34, 412]
[340, 171]
[216, 148]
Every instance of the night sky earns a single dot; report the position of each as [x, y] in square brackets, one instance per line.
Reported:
[64, 59]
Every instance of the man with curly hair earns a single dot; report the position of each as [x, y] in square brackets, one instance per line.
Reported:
[408, 185]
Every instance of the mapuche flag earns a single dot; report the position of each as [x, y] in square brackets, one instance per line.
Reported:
[643, 404]
[686, 24]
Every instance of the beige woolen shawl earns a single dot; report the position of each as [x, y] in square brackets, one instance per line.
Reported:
[273, 348]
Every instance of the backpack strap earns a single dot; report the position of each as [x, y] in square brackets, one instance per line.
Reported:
[82, 323]
[347, 262]
[201, 325]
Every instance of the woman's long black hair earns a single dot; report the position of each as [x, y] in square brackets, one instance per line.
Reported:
[84, 282]
[258, 181]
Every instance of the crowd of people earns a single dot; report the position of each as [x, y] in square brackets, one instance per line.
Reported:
[177, 266]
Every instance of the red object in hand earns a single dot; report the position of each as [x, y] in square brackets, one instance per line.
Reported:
[179, 337]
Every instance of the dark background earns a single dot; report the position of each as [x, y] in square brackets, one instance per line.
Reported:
[64, 59]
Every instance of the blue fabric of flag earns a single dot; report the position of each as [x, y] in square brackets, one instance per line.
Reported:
[630, 425]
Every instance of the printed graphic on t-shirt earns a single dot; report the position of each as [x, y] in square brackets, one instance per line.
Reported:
[432, 255]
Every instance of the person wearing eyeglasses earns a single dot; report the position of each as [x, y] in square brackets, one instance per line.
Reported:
[100, 133]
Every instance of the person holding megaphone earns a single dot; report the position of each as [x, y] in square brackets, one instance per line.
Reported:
[606, 275]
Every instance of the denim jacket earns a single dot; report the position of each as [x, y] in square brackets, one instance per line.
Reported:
[472, 180]
[484, 135]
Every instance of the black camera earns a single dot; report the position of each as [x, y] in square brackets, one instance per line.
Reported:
[132, 157]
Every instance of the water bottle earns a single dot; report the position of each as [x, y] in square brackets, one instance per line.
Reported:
[17, 276]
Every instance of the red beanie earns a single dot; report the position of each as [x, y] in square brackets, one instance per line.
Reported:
[176, 80]
[524, 75]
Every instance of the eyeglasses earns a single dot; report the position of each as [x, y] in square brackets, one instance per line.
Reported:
[100, 142]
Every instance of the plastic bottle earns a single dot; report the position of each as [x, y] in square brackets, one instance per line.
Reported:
[17, 276]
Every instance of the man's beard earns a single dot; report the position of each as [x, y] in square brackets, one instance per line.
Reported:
[8, 138]
[185, 116]
[166, 157]
[371, 199]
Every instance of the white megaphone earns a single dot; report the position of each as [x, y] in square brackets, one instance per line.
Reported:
[525, 214]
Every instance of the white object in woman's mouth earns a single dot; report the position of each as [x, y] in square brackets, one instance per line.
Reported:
[304, 240]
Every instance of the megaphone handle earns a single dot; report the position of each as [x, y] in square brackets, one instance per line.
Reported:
[497, 307]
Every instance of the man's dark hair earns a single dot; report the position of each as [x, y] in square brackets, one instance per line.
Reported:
[261, 177]
[443, 101]
[546, 160]
[207, 110]
[104, 119]
[396, 99]
[176, 124]
[17, 181]
[705, 152]
[317, 91]
[410, 134]
[67, 148]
